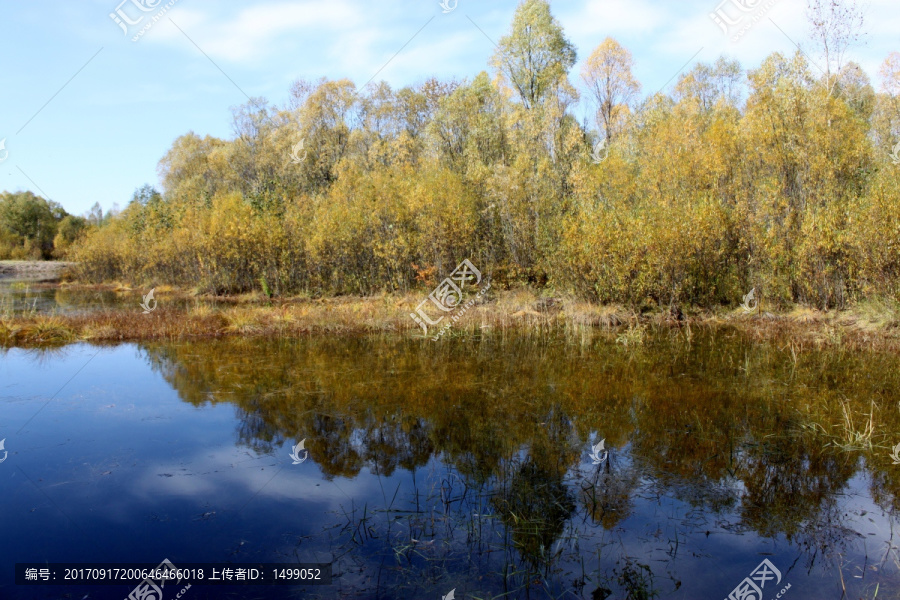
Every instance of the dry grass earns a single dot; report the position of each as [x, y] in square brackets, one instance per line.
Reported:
[98, 332]
[201, 310]
[873, 325]
[633, 337]
[523, 310]
[805, 315]
[877, 314]
[244, 321]
[586, 314]
[856, 433]
[45, 331]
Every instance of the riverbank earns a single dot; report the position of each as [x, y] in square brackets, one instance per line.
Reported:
[178, 315]
[33, 270]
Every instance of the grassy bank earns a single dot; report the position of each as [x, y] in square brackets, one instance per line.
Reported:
[180, 315]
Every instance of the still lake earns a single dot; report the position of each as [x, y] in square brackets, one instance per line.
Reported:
[461, 465]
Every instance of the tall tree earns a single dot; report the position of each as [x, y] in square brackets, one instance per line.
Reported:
[835, 26]
[607, 74]
[535, 55]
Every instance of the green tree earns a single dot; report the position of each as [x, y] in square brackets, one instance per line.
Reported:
[30, 223]
[535, 55]
[145, 195]
[68, 232]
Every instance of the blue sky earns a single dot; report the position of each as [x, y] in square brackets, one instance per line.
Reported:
[87, 113]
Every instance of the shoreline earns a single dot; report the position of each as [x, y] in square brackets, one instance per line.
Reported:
[179, 315]
[33, 270]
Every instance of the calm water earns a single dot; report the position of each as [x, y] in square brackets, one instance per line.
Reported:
[18, 296]
[455, 465]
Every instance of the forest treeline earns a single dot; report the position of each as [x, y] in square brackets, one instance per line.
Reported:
[34, 228]
[778, 178]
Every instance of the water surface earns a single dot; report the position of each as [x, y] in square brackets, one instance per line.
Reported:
[459, 465]
[23, 295]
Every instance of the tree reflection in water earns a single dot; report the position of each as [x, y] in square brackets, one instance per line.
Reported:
[714, 436]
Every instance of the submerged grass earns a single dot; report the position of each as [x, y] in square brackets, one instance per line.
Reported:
[857, 433]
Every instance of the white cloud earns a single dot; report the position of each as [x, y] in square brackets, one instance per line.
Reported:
[600, 18]
[350, 38]
[663, 35]
[260, 31]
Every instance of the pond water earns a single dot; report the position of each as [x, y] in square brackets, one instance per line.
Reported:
[21, 295]
[25, 297]
[463, 466]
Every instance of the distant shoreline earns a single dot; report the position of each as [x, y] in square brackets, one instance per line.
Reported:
[37, 270]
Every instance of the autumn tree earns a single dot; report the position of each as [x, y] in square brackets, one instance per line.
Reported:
[611, 84]
[189, 170]
[327, 119]
[855, 88]
[709, 84]
[777, 178]
[835, 26]
[467, 132]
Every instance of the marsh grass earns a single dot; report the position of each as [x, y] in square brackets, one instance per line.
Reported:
[806, 315]
[181, 314]
[857, 431]
[97, 332]
[585, 314]
[244, 322]
[7, 305]
[633, 337]
[51, 331]
[201, 310]
[877, 314]
[9, 333]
